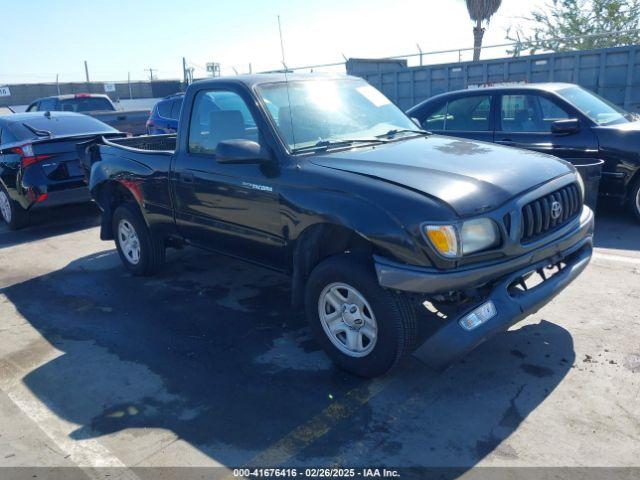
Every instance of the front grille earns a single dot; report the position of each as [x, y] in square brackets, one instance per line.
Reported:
[541, 216]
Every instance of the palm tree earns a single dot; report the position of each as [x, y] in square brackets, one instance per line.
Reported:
[481, 11]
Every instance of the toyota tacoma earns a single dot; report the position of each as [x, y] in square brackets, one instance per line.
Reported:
[379, 224]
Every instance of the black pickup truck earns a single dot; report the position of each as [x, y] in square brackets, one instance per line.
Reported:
[374, 219]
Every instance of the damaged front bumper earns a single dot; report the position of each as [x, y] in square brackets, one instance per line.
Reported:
[512, 303]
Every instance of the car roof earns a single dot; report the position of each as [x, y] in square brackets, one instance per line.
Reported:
[544, 87]
[260, 78]
[69, 96]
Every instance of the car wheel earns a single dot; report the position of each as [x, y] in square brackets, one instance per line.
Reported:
[364, 328]
[140, 252]
[634, 199]
[11, 212]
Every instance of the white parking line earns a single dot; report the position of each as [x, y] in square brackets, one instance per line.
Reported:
[616, 258]
[88, 454]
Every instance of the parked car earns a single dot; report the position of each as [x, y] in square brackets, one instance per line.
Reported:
[165, 114]
[323, 178]
[97, 106]
[557, 118]
[39, 164]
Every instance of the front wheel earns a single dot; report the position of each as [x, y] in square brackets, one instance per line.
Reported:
[364, 328]
[11, 212]
[140, 252]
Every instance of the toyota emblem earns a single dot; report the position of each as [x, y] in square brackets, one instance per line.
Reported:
[556, 210]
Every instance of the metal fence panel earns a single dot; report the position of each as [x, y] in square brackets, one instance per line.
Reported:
[613, 73]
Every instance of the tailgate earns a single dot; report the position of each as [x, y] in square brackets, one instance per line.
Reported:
[132, 122]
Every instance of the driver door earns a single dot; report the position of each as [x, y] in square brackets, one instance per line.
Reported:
[525, 121]
[230, 208]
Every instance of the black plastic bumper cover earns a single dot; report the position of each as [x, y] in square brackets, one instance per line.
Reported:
[452, 341]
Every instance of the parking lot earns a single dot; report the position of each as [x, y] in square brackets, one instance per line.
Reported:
[207, 365]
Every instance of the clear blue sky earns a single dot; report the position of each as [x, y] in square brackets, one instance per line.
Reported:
[45, 37]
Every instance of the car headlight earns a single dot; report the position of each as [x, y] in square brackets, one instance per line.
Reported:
[479, 234]
[472, 236]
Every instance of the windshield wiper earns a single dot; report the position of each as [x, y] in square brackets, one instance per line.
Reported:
[35, 131]
[392, 133]
[327, 144]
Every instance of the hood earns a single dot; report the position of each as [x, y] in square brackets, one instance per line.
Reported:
[472, 177]
[622, 127]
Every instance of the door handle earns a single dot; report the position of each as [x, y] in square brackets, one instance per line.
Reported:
[186, 177]
[121, 117]
[505, 141]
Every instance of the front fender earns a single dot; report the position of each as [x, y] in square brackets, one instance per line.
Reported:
[367, 219]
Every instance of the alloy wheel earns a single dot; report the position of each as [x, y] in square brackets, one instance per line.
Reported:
[5, 207]
[129, 241]
[347, 319]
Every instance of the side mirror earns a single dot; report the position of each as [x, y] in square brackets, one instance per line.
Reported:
[240, 151]
[565, 127]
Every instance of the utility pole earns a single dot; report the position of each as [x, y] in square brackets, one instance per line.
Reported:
[57, 84]
[151, 73]
[184, 71]
[86, 70]
[129, 83]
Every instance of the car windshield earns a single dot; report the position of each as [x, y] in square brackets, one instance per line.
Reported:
[595, 107]
[332, 111]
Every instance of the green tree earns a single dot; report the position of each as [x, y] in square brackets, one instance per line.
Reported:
[481, 12]
[565, 25]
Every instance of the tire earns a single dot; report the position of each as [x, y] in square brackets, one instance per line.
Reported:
[140, 252]
[634, 198]
[11, 212]
[348, 276]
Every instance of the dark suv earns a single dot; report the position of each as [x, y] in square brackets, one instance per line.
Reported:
[165, 114]
[557, 118]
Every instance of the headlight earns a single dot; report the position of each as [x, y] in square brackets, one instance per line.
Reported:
[479, 234]
[472, 236]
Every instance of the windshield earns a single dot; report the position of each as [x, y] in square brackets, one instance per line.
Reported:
[331, 111]
[593, 106]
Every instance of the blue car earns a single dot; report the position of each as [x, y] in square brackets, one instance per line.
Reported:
[165, 114]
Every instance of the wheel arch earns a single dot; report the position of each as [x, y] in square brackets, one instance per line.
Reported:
[109, 195]
[318, 242]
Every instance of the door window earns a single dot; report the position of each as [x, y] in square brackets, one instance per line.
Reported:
[529, 113]
[466, 114]
[176, 105]
[217, 116]
[48, 104]
[164, 109]
[435, 121]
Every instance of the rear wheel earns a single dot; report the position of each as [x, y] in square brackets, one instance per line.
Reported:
[11, 212]
[140, 252]
[364, 328]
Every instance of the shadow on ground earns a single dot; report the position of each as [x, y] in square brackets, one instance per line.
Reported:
[613, 224]
[51, 222]
[211, 351]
